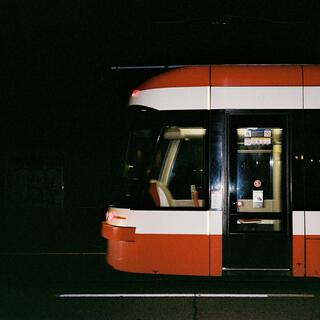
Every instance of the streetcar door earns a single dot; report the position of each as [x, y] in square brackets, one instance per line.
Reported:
[256, 228]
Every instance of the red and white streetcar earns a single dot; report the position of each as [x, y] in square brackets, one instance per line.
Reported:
[222, 173]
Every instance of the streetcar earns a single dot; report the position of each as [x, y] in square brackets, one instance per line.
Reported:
[222, 174]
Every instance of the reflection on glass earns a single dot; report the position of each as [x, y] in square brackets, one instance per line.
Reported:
[259, 169]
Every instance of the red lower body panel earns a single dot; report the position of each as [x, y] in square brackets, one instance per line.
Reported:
[115, 233]
[216, 255]
[163, 254]
[313, 256]
[306, 256]
[298, 256]
[191, 254]
[157, 253]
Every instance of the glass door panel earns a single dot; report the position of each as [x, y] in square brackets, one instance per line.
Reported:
[259, 169]
[256, 227]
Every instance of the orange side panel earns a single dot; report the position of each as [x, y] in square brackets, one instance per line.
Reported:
[298, 256]
[118, 253]
[163, 254]
[311, 75]
[115, 233]
[216, 255]
[313, 257]
[181, 77]
[256, 75]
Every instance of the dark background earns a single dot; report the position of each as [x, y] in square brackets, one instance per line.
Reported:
[63, 96]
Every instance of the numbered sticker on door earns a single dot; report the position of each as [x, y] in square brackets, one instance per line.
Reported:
[257, 197]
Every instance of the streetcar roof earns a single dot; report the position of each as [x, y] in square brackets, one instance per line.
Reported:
[221, 86]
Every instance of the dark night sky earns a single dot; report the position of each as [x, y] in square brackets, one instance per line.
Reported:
[56, 55]
[52, 38]
[61, 103]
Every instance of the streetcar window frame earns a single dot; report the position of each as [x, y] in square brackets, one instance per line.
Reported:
[162, 119]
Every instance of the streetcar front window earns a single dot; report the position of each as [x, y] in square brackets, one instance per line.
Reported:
[138, 153]
[178, 179]
[143, 135]
[165, 161]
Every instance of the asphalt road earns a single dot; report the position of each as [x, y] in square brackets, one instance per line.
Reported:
[52, 287]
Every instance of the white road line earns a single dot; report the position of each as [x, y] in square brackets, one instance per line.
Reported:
[184, 295]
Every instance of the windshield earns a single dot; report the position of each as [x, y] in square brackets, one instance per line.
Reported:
[143, 136]
[165, 162]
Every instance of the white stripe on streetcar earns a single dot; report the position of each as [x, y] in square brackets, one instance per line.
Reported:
[261, 97]
[184, 295]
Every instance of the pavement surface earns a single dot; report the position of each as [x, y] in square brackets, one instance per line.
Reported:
[82, 286]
